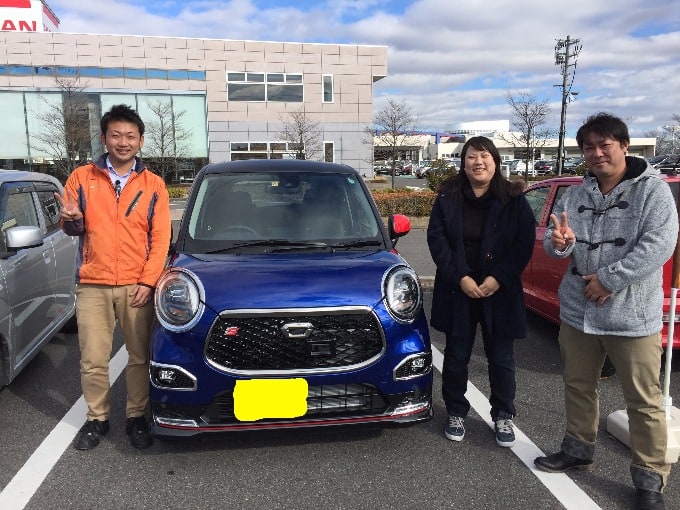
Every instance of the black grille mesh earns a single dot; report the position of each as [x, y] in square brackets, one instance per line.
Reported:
[259, 343]
[326, 401]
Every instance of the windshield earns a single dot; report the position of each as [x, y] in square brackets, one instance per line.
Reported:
[311, 209]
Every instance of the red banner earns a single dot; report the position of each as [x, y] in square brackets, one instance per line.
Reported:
[21, 4]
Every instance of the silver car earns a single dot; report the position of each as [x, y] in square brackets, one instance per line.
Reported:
[37, 268]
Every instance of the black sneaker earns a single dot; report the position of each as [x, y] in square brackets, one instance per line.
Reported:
[138, 430]
[504, 431]
[90, 434]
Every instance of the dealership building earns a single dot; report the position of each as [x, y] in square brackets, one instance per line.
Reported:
[234, 98]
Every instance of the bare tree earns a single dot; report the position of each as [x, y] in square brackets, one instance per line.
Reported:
[394, 123]
[528, 115]
[165, 138]
[65, 133]
[302, 134]
[668, 137]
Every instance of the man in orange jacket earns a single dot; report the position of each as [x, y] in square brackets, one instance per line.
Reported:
[120, 211]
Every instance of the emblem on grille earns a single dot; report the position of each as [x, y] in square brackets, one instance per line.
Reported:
[296, 330]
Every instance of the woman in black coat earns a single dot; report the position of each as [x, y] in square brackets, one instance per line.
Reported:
[481, 236]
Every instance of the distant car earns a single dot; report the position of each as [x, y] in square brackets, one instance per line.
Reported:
[37, 269]
[670, 165]
[422, 169]
[544, 167]
[654, 160]
[520, 167]
[543, 275]
[571, 165]
[285, 304]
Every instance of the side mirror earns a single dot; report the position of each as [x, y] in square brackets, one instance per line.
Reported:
[21, 237]
[398, 226]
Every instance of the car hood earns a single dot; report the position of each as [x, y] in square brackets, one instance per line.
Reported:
[291, 280]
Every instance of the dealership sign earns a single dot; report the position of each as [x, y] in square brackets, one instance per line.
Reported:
[27, 16]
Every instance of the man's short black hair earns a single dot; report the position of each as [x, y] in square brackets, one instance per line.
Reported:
[605, 125]
[122, 112]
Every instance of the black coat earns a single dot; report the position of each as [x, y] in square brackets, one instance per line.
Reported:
[507, 244]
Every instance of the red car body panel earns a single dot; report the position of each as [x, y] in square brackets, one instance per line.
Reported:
[542, 276]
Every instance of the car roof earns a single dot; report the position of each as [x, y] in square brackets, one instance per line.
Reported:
[22, 175]
[277, 165]
[575, 179]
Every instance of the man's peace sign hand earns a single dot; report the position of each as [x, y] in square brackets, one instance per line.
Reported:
[562, 236]
[69, 210]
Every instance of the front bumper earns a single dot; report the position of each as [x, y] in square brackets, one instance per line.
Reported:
[326, 405]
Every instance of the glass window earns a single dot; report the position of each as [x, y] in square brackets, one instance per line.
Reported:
[327, 80]
[275, 78]
[40, 108]
[194, 120]
[112, 72]
[67, 71]
[50, 206]
[328, 152]
[293, 78]
[135, 73]
[13, 142]
[177, 75]
[197, 75]
[255, 77]
[20, 70]
[90, 72]
[246, 92]
[536, 198]
[285, 93]
[258, 146]
[161, 74]
[236, 76]
[239, 146]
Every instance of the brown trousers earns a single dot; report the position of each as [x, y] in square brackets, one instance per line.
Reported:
[97, 308]
[638, 364]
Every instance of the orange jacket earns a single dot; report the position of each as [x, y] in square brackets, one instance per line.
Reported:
[122, 241]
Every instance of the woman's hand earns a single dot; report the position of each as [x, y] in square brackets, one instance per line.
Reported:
[474, 291]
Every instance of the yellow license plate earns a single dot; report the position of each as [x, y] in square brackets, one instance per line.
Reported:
[255, 399]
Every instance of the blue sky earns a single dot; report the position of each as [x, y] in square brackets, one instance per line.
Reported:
[450, 61]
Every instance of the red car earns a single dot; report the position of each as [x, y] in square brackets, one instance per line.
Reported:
[543, 274]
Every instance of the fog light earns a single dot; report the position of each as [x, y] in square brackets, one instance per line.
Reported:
[412, 366]
[171, 377]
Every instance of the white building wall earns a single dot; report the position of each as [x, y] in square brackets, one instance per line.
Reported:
[354, 69]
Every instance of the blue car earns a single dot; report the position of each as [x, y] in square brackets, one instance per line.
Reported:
[285, 304]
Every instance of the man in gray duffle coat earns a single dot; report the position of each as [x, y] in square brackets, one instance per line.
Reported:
[619, 228]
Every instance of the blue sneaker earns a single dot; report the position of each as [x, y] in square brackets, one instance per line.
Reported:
[503, 428]
[455, 430]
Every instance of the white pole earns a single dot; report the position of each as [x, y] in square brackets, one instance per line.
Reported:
[667, 399]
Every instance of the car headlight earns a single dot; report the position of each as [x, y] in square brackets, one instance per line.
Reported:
[179, 300]
[402, 293]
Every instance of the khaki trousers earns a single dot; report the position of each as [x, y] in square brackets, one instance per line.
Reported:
[638, 364]
[97, 308]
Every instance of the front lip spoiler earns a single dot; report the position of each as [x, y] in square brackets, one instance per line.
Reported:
[411, 414]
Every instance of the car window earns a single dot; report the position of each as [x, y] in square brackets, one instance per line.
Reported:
[50, 206]
[296, 207]
[536, 198]
[561, 190]
[17, 208]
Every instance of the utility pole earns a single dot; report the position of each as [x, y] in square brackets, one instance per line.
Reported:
[566, 51]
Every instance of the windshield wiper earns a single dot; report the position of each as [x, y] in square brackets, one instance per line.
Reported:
[278, 243]
[357, 243]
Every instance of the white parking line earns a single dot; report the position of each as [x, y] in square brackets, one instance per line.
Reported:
[570, 495]
[30, 477]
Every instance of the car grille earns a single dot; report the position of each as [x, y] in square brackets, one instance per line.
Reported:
[326, 401]
[259, 342]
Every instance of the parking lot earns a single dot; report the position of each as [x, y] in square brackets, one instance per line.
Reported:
[356, 467]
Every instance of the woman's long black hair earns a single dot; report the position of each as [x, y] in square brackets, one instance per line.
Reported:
[499, 186]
